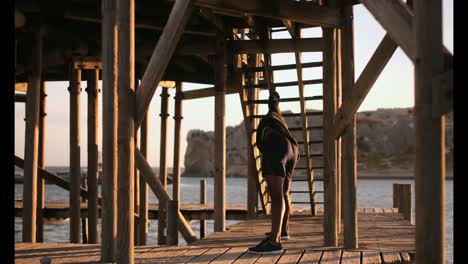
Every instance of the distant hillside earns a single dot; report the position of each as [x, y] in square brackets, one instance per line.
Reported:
[385, 140]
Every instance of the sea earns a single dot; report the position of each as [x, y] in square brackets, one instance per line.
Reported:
[371, 193]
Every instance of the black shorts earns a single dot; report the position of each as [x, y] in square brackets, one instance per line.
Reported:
[279, 156]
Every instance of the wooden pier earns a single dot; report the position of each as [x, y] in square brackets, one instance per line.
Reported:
[385, 237]
[138, 47]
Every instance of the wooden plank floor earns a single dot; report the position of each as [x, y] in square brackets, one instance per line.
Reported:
[384, 236]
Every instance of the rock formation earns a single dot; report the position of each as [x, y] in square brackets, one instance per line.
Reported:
[385, 140]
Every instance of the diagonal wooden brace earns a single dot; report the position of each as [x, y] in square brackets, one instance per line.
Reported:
[161, 55]
[160, 192]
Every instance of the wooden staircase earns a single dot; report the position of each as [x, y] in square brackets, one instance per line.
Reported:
[258, 74]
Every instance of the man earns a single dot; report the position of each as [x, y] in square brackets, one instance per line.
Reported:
[280, 153]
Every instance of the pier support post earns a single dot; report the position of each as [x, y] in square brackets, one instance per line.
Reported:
[430, 134]
[402, 199]
[143, 209]
[220, 136]
[75, 150]
[202, 201]
[163, 167]
[172, 222]
[126, 131]
[93, 117]
[349, 151]
[109, 131]
[31, 142]
[177, 130]
[329, 108]
[41, 164]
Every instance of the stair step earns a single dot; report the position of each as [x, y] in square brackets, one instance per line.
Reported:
[299, 191]
[309, 128]
[300, 202]
[297, 128]
[312, 155]
[292, 99]
[284, 67]
[283, 84]
[292, 114]
[319, 179]
[299, 179]
[312, 142]
[319, 192]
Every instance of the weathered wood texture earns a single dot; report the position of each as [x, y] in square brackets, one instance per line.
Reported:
[161, 193]
[75, 149]
[349, 147]
[329, 109]
[109, 130]
[363, 84]
[143, 210]
[31, 141]
[430, 135]
[161, 55]
[163, 166]
[220, 136]
[93, 118]
[126, 129]
[41, 164]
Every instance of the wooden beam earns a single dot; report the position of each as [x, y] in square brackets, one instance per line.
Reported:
[397, 18]
[442, 89]
[20, 98]
[138, 25]
[275, 45]
[54, 179]
[161, 193]
[430, 135]
[349, 144]
[31, 141]
[296, 11]
[41, 164]
[93, 118]
[206, 92]
[87, 63]
[163, 166]
[109, 130]
[363, 85]
[330, 223]
[177, 142]
[220, 136]
[143, 210]
[126, 129]
[75, 150]
[161, 55]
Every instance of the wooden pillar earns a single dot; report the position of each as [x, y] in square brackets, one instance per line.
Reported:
[84, 220]
[75, 145]
[402, 199]
[163, 167]
[349, 152]
[172, 221]
[136, 186]
[93, 118]
[177, 130]
[31, 141]
[430, 135]
[338, 92]
[41, 164]
[143, 209]
[109, 131]
[126, 130]
[329, 147]
[136, 191]
[252, 188]
[220, 136]
[202, 201]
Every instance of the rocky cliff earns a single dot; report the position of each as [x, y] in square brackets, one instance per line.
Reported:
[385, 140]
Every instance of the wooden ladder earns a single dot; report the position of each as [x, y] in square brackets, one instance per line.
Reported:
[251, 81]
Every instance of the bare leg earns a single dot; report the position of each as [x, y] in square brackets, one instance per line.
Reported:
[287, 201]
[275, 184]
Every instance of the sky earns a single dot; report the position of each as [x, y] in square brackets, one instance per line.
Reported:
[393, 89]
